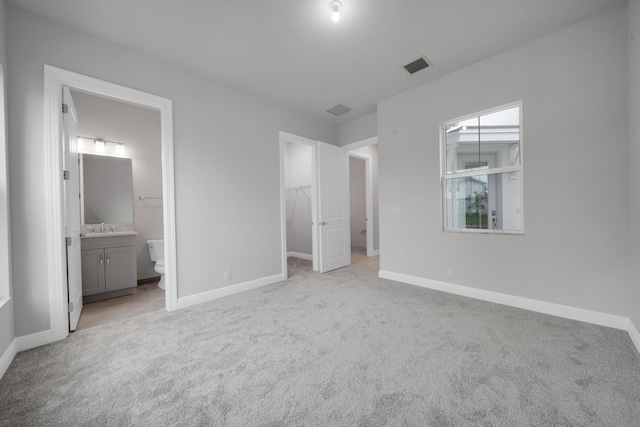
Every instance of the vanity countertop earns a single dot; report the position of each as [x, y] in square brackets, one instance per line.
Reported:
[109, 234]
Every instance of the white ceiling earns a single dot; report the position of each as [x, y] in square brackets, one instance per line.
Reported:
[291, 52]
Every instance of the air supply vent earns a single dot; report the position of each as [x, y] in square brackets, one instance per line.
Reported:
[417, 65]
[339, 110]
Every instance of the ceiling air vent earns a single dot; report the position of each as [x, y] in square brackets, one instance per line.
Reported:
[417, 65]
[339, 110]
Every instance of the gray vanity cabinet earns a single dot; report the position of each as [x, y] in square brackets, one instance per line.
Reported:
[108, 267]
[92, 272]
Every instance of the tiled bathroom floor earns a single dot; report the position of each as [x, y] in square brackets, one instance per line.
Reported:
[148, 298]
[362, 260]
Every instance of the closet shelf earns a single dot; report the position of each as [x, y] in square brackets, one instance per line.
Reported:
[302, 187]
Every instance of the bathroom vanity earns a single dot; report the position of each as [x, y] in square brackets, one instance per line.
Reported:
[108, 265]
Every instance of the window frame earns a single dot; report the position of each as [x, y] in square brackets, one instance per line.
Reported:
[445, 177]
[5, 249]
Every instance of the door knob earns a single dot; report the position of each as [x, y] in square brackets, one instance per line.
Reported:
[323, 223]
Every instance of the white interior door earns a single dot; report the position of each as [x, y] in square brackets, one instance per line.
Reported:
[72, 208]
[333, 206]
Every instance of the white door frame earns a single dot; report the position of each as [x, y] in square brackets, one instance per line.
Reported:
[290, 137]
[368, 187]
[54, 79]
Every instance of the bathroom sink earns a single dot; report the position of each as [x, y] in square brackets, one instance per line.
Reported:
[109, 234]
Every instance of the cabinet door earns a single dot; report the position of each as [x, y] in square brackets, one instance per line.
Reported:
[92, 271]
[120, 268]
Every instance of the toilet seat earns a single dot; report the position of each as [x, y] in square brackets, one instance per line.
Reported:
[160, 263]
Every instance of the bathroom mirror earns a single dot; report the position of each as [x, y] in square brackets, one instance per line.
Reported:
[106, 190]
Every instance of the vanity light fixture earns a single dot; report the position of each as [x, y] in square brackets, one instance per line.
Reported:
[100, 145]
[335, 6]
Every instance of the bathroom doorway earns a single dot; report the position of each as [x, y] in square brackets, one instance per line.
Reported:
[120, 169]
[358, 203]
[364, 154]
[56, 263]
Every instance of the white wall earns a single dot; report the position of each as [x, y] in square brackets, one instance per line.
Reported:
[139, 129]
[358, 206]
[359, 129]
[227, 171]
[6, 312]
[634, 159]
[298, 173]
[574, 252]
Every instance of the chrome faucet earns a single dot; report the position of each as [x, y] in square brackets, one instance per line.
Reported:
[113, 227]
[102, 227]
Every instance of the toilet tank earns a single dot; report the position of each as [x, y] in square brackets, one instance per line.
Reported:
[156, 249]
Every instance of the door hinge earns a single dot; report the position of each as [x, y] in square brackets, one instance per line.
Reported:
[67, 240]
[66, 175]
[65, 108]
[71, 307]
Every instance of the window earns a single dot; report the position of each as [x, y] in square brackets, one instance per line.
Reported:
[5, 292]
[482, 172]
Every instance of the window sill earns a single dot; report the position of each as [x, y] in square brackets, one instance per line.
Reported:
[472, 231]
[4, 301]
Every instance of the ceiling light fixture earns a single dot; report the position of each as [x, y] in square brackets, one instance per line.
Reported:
[335, 6]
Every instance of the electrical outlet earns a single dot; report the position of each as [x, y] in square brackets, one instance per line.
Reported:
[227, 275]
[450, 271]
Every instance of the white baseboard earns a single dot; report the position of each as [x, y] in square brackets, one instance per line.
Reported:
[7, 356]
[634, 334]
[228, 290]
[597, 318]
[27, 342]
[300, 255]
[375, 252]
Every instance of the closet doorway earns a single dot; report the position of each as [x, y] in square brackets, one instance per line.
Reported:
[314, 176]
[299, 182]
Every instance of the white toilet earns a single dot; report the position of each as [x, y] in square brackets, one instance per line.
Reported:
[156, 253]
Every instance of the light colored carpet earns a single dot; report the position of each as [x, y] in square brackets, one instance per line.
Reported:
[344, 348]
